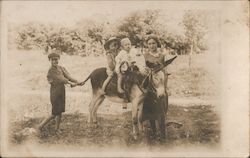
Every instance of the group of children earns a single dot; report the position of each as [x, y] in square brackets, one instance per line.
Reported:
[116, 56]
[117, 52]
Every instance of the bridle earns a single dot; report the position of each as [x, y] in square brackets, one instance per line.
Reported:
[148, 80]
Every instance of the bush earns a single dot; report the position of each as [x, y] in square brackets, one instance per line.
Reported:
[88, 35]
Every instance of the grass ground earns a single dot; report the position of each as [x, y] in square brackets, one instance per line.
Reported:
[28, 69]
[28, 102]
[200, 126]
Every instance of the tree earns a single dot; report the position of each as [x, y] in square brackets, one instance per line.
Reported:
[94, 32]
[31, 36]
[138, 24]
[195, 30]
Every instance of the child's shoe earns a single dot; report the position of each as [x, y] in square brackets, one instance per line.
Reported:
[120, 90]
[102, 92]
[124, 106]
[58, 132]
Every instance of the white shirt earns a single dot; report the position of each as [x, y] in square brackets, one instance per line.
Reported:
[132, 56]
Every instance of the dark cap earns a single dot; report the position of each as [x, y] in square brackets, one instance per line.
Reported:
[111, 39]
[53, 55]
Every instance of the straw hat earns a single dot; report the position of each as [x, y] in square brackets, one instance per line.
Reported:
[112, 39]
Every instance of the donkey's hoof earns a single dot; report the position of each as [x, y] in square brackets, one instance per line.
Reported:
[92, 125]
[162, 139]
[135, 137]
[89, 125]
[95, 125]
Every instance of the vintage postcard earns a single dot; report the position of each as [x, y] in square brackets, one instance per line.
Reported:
[125, 78]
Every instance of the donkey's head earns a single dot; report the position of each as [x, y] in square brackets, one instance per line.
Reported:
[152, 81]
[155, 79]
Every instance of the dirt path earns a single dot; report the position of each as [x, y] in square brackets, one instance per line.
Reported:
[175, 100]
[30, 104]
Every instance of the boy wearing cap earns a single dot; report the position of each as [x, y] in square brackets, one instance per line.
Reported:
[57, 76]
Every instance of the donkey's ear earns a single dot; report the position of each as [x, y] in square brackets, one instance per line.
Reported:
[166, 63]
[145, 82]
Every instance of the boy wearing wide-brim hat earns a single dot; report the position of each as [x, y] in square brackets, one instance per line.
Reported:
[111, 46]
[109, 41]
[57, 76]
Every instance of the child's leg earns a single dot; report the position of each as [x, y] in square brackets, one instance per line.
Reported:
[124, 105]
[119, 83]
[58, 121]
[110, 74]
[105, 83]
[45, 122]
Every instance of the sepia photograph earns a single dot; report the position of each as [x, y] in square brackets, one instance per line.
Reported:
[125, 78]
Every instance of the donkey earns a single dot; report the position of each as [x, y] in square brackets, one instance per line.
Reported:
[136, 86]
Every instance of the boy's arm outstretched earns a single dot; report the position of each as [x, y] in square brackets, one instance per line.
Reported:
[67, 75]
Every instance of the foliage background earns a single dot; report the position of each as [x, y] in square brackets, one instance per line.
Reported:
[87, 36]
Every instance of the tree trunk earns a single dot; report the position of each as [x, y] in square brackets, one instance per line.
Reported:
[190, 56]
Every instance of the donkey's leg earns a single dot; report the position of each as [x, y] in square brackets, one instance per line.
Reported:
[164, 104]
[91, 108]
[95, 108]
[140, 114]
[134, 117]
[161, 119]
[137, 107]
[162, 128]
[153, 128]
[90, 117]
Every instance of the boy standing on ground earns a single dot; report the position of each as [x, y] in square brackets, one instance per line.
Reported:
[57, 77]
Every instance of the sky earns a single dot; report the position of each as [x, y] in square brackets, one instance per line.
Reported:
[68, 12]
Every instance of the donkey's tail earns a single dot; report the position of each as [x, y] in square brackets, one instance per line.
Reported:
[83, 82]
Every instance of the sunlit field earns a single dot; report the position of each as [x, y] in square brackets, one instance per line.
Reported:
[192, 95]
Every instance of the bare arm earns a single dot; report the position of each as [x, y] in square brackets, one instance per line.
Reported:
[67, 75]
